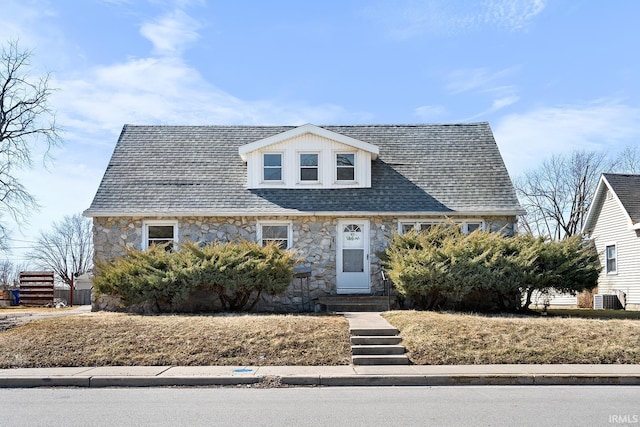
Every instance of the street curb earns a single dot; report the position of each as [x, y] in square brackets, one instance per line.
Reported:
[31, 382]
[153, 381]
[321, 380]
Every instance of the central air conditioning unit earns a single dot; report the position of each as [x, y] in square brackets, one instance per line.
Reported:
[606, 302]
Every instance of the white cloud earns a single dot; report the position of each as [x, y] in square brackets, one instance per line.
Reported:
[92, 104]
[19, 21]
[430, 112]
[485, 83]
[525, 139]
[512, 14]
[171, 33]
[444, 18]
[500, 103]
[468, 79]
[167, 91]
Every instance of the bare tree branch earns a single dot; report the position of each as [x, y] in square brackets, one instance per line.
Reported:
[629, 160]
[25, 120]
[67, 249]
[558, 194]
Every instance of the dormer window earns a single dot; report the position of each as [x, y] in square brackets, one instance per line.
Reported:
[309, 167]
[308, 157]
[272, 167]
[345, 166]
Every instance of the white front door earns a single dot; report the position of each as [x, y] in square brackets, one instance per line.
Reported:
[352, 258]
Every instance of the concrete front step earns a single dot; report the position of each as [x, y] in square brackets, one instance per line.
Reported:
[356, 307]
[379, 360]
[360, 332]
[357, 303]
[377, 349]
[376, 340]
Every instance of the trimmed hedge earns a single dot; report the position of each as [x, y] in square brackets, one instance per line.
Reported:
[483, 271]
[238, 273]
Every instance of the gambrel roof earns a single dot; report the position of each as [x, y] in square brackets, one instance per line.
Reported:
[451, 169]
[625, 189]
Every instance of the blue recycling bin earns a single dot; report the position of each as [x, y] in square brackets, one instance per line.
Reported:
[15, 296]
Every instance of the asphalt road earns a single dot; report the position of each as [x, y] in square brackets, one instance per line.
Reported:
[331, 406]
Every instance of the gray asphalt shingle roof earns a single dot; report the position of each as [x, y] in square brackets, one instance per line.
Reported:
[627, 188]
[197, 169]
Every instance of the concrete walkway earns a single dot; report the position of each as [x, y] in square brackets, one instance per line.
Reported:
[367, 320]
[274, 376]
[20, 316]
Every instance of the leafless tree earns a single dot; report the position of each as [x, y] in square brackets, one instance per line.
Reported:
[8, 273]
[67, 249]
[628, 161]
[25, 120]
[558, 194]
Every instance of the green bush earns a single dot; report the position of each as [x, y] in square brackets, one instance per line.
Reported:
[483, 271]
[237, 272]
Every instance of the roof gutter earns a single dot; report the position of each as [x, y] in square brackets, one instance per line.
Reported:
[91, 213]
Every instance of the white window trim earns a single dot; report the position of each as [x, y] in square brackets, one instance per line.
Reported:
[289, 225]
[417, 222]
[282, 171]
[355, 167]
[465, 225]
[462, 223]
[299, 168]
[606, 258]
[145, 230]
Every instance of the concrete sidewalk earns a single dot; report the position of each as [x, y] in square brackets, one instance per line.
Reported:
[273, 376]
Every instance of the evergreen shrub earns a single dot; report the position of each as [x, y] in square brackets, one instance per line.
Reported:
[442, 268]
[238, 273]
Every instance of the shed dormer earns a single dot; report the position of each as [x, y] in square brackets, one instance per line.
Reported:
[309, 156]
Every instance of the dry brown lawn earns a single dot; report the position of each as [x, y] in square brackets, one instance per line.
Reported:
[112, 339]
[446, 338]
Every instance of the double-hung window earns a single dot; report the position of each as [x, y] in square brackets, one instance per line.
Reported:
[345, 166]
[272, 167]
[466, 226]
[611, 258]
[278, 232]
[407, 226]
[470, 226]
[309, 167]
[161, 233]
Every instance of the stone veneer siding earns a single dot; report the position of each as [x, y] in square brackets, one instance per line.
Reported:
[314, 239]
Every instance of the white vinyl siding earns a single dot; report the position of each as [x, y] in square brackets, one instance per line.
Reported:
[612, 226]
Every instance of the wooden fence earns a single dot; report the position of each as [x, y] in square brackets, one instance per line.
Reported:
[36, 288]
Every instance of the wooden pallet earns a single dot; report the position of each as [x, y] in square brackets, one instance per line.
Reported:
[36, 288]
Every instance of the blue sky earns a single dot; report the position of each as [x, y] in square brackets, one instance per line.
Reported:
[548, 75]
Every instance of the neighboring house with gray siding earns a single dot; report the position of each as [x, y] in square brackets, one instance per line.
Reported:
[613, 222]
[335, 194]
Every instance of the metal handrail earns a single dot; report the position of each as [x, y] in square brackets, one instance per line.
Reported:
[387, 288]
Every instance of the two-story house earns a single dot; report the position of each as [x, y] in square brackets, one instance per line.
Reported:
[332, 193]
